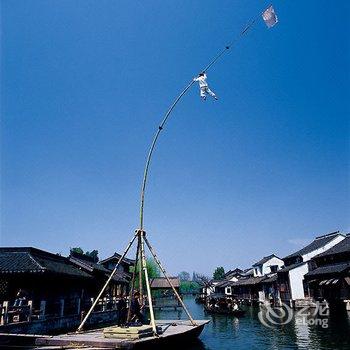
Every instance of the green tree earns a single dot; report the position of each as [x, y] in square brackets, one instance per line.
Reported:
[184, 276]
[152, 270]
[219, 273]
[189, 287]
[77, 250]
[93, 254]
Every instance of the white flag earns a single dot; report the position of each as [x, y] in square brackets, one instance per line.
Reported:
[269, 16]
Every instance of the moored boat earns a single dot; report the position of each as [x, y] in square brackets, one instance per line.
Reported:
[172, 332]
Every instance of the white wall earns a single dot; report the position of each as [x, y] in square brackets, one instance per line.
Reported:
[329, 245]
[296, 277]
[273, 261]
[233, 279]
[257, 271]
[265, 269]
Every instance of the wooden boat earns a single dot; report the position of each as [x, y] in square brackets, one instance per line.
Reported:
[221, 311]
[174, 332]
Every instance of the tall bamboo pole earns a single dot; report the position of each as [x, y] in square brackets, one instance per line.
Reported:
[149, 295]
[140, 271]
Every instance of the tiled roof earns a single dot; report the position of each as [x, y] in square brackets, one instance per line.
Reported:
[270, 279]
[88, 265]
[161, 282]
[248, 281]
[32, 260]
[233, 272]
[291, 267]
[265, 259]
[248, 272]
[95, 267]
[224, 284]
[329, 269]
[317, 243]
[342, 247]
[18, 262]
[117, 256]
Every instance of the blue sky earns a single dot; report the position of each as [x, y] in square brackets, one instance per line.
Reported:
[85, 84]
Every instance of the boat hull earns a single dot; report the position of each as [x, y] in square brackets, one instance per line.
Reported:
[176, 332]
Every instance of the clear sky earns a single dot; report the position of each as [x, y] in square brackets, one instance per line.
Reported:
[263, 170]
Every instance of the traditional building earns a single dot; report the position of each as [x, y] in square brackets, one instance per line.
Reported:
[161, 284]
[123, 267]
[233, 275]
[120, 281]
[267, 265]
[291, 283]
[250, 287]
[224, 287]
[38, 287]
[41, 276]
[329, 277]
[247, 285]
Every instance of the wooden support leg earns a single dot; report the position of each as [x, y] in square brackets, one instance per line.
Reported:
[149, 295]
[167, 278]
[133, 279]
[106, 284]
[140, 272]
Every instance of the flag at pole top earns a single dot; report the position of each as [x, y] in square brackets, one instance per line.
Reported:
[269, 16]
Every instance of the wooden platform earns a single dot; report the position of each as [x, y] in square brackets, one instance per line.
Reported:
[175, 331]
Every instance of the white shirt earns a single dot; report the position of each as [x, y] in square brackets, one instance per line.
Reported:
[202, 80]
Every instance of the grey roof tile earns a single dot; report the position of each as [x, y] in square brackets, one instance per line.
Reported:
[342, 247]
[264, 259]
[32, 260]
[330, 269]
[317, 243]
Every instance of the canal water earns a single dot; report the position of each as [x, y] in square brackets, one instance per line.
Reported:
[228, 332]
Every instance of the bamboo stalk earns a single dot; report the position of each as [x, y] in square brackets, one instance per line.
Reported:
[149, 295]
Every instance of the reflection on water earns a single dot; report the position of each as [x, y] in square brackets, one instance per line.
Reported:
[227, 332]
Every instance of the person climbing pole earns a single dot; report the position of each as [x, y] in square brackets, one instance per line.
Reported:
[203, 85]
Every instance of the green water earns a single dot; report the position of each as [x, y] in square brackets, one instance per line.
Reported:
[227, 332]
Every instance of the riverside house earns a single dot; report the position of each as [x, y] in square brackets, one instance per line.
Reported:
[43, 292]
[247, 285]
[329, 277]
[292, 286]
[297, 278]
[251, 289]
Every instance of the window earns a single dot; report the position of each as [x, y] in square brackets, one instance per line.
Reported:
[274, 268]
